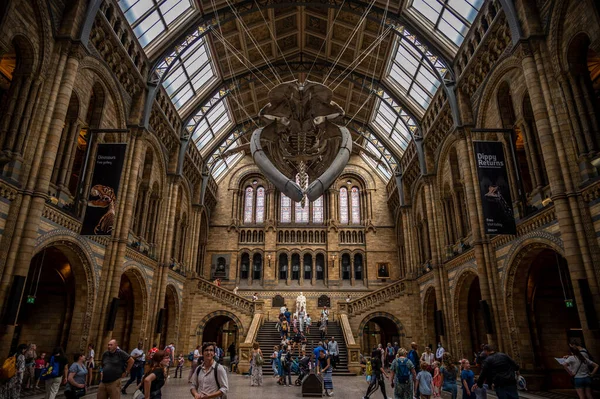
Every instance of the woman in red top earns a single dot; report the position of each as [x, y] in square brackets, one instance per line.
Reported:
[40, 363]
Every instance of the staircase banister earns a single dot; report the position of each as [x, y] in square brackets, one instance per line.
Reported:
[373, 298]
[209, 288]
[346, 329]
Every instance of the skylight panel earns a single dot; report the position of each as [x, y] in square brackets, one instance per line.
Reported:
[190, 75]
[211, 121]
[219, 165]
[449, 19]
[150, 19]
[390, 124]
[412, 75]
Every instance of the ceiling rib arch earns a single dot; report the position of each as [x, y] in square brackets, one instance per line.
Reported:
[401, 27]
[374, 86]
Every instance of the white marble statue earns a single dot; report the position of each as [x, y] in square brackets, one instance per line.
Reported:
[300, 303]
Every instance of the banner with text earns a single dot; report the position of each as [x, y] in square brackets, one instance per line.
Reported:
[494, 188]
[102, 198]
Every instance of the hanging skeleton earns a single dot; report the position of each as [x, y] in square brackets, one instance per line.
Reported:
[304, 147]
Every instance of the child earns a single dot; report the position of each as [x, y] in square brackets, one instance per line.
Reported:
[467, 379]
[437, 380]
[424, 382]
[369, 371]
[179, 367]
[307, 322]
[40, 363]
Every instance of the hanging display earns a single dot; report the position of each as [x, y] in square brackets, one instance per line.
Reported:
[494, 188]
[103, 195]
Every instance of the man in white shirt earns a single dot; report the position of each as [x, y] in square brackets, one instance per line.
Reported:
[210, 380]
[194, 362]
[439, 353]
[137, 371]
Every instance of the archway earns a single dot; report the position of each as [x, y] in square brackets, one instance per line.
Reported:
[379, 328]
[55, 301]
[471, 318]
[169, 332]
[130, 313]
[221, 327]
[542, 308]
[432, 333]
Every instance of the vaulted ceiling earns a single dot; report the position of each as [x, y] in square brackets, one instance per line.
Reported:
[217, 60]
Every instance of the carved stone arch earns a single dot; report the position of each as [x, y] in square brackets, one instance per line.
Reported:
[416, 190]
[133, 269]
[73, 245]
[110, 85]
[468, 274]
[26, 50]
[160, 155]
[46, 35]
[443, 153]
[387, 315]
[241, 174]
[208, 317]
[428, 319]
[359, 173]
[490, 85]
[178, 303]
[522, 250]
[558, 45]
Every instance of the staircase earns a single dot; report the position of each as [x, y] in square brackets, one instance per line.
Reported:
[268, 337]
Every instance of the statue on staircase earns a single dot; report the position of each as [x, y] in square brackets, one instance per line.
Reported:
[300, 303]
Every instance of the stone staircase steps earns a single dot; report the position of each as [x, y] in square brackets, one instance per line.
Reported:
[268, 337]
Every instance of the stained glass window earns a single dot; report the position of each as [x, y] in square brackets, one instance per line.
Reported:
[248, 205]
[301, 213]
[286, 209]
[318, 210]
[260, 205]
[449, 18]
[355, 206]
[344, 205]
[151, 18]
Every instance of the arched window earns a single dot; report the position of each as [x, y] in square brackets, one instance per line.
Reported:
[318, 210]
[260, 205]
[295, 267]
[283, 266]
[301, 213]
[248, 205]
[307, 267]
[257, 267]
[286, 209]
[355, 195]
[343, 205]
[245, 266]
[345, 267]
[358, 267]
[320, 266]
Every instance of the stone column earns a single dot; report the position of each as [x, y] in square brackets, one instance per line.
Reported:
[33, 202]
[67, 160]
[314, 270]
[352, 279]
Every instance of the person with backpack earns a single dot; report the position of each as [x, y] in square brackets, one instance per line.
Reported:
[257, 361]
[210, 378]
[402, 376]
[154, 380]
[56, 372]
[499, 369]
[377, 373]
[11, 374]
[285, 369]
[581, 369]
[195, 356]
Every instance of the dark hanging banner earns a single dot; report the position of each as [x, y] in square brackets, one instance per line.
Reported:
[102, 197]
[494, 188]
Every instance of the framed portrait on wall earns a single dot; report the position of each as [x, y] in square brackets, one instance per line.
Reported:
[383, 270]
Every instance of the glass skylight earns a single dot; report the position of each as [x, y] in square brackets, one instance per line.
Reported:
[448, 18]
[211, 122]
[410, 73]
[391, 124]
[382, 167]
[149, 19]
[190, 75]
